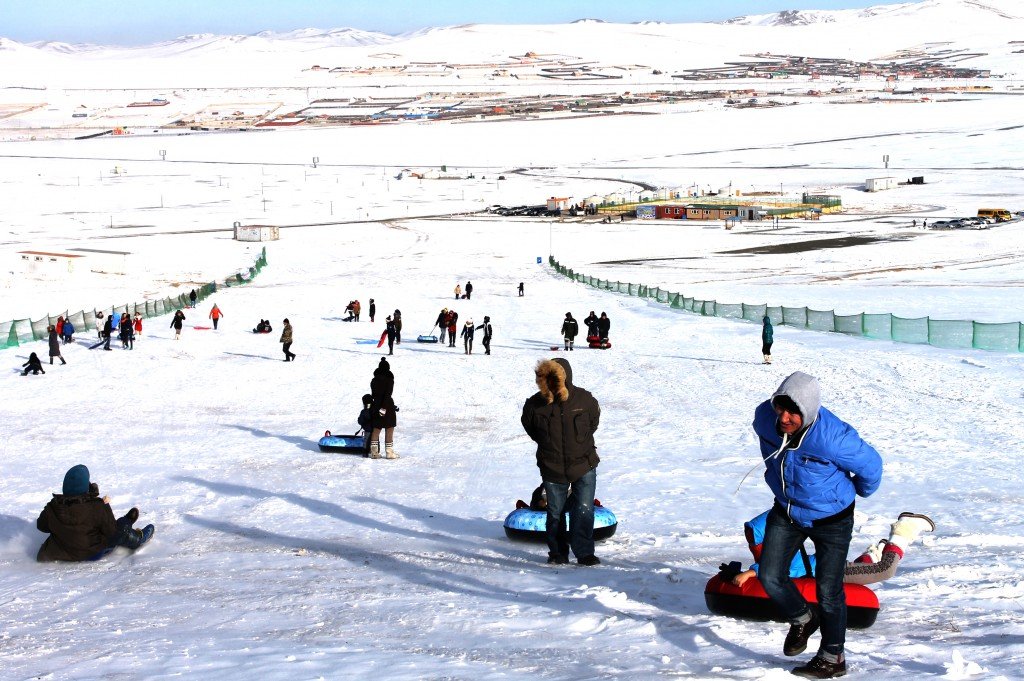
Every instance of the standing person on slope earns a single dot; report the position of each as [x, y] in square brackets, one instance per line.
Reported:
[604, 325]
[469, 289]
[458, 291]
[486, 326]
[54, 343]
[442, 323]
[384, 412]
[389, 329]
[215, 315]
[372, 310]
[286, 341]
[767, 336]
[176, 322]
[570, 328]
[467, 337]
[562, 419]
[816, 465]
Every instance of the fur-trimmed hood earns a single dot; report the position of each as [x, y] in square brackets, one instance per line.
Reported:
[554, 379]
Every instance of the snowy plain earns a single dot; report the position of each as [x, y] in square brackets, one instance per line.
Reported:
[274, 560]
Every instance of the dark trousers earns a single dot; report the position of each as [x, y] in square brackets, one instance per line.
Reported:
[782, 539]
[766, 348]
[216, 319]
[391, 345]
[288, 354]
[487, 345]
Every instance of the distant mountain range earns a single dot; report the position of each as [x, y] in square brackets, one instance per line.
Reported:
[1006, 9]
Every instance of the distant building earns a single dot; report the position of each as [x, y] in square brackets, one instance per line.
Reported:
[877, 184]
[48, 265]
[256, 232]
[105, 262]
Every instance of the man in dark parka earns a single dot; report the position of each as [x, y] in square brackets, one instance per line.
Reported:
[562, 418]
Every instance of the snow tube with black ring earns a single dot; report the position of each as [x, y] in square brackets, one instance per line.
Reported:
[596, 343]
[751, 602]
[525, 524]
[345, 444]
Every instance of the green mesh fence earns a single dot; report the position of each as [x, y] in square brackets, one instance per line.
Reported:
[945, 333]
[19, 331]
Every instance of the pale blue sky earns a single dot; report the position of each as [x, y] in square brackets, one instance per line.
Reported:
[134, 22]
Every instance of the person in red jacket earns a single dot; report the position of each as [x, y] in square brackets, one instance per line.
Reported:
[215, 315]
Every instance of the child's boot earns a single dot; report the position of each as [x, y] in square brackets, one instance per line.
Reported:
[375, 450]
[908, 527]
[389, 451]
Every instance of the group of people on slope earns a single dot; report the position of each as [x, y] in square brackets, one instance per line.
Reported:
[815, 465]
[353, 309]
[393, 330]
[597, 328]
[468, 291]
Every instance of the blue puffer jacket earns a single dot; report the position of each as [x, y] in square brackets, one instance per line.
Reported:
[824, 467]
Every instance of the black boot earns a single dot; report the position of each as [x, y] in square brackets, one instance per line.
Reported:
[796, 639]
[820, 668]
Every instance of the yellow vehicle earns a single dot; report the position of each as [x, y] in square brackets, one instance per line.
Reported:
[997, 214]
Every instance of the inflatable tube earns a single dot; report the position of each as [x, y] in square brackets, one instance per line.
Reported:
[345, 444]
[525, 524]
[595, 342]
[751, 602]
[426, 339]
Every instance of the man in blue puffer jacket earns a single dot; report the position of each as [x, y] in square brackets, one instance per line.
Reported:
[816, 465]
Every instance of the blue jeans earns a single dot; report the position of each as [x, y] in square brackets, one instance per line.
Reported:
[580, 506]
[782, 539]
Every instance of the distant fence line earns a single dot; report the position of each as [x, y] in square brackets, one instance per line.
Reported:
[943, 333]
[15, 332]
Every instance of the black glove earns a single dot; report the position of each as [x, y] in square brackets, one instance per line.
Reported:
[94, 489]
[727, 572]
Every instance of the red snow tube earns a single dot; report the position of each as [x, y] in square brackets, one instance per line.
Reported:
[751, 602]
[595, 342]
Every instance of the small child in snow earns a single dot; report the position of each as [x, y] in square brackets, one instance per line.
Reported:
[34, 365]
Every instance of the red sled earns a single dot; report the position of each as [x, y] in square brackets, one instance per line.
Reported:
[595, 342]
[383, 337]
[751, 602]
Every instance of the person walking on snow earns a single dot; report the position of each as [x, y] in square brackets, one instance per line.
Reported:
[591, 323]
[397, 319]
[569, 330]
[442, 323]
[108, 329]
[356, 308]
[192, 298]
[384, 412]
[54, 343]
[520, 289]
[467, 337]
[138, 324]
[458, 291]
[286, 341]
[486, 326]
[562, 419]
[815, 465]
[767, 336]
[99, 324]
[469, 289]
[453, 327]
[215, 315]
[877, 564]
[176, 323]
[372, 310]
[125, 332]
[389, 329]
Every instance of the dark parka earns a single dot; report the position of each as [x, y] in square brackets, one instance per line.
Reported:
[603, 325]
[79, 526]
[179, 317]
[570, 327]
[108, 326]
[381, 403]
[54, 341]
[562, 418]
[766, 330]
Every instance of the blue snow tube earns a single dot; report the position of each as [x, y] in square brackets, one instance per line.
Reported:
[345, 444]
[525, 524]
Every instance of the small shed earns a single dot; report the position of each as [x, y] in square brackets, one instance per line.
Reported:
[877, 184]
[104, 261]
[256, 232]
[558, 203]
[48, 265]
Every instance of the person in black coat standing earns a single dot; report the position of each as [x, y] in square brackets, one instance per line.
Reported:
[383, 411]
[469, 290]
[562, 419]
[176, 323]
[486, 326]
[392, 333]
[467, 337]
[108, 330]
[603, 326]
[373, 310]
[591, 322]
[54, 341]
[570, 329]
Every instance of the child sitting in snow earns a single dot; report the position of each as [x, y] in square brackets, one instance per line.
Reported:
[877, 564]
[81, 525]
[366, 413]
[33, 364]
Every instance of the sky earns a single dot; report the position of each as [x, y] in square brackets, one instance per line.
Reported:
[136, 23]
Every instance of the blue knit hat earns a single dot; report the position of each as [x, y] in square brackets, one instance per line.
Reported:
[76, 481]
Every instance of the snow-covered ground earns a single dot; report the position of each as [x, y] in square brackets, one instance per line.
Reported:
[274, 560]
